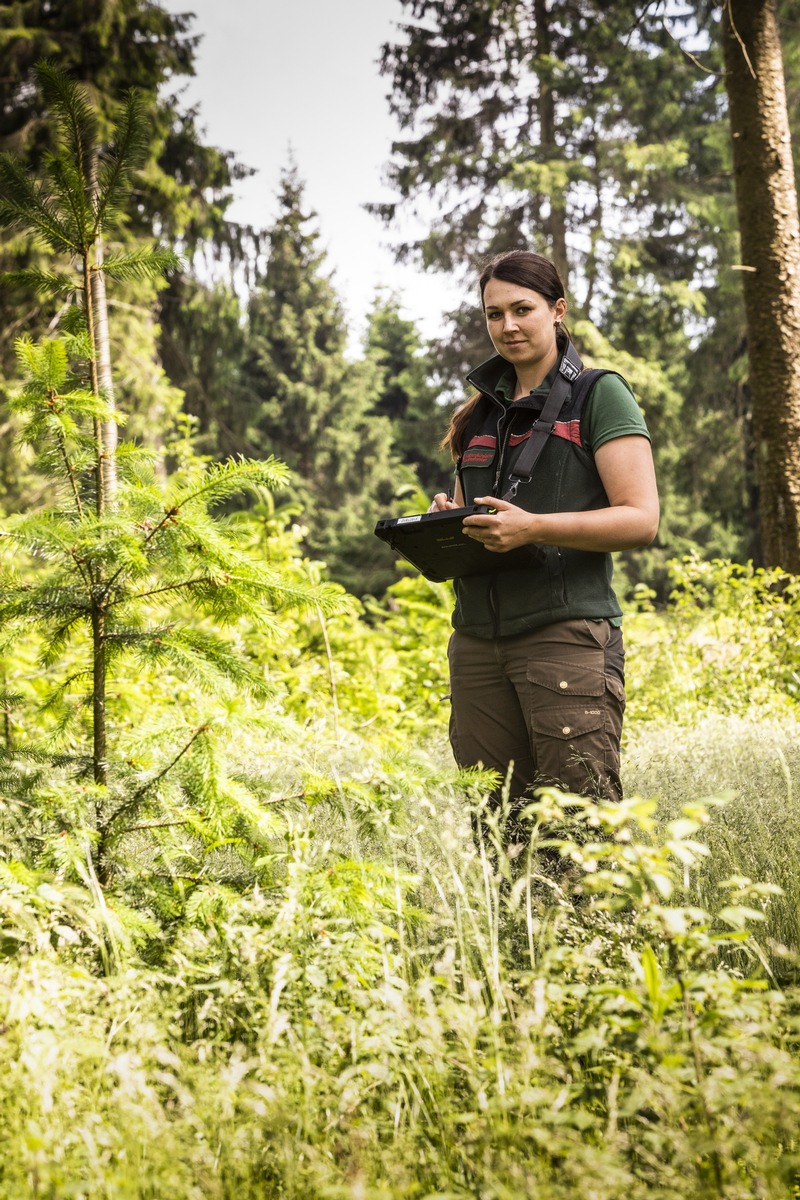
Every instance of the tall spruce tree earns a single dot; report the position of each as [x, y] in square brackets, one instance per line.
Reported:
[411, 393]
[314, 408]
[203, 345]
[577, 129]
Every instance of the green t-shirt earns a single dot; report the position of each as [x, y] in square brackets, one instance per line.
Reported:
[611, 410]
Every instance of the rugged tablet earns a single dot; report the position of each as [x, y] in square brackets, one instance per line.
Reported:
[436, 544]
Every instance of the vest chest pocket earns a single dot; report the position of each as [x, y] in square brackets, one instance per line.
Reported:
[480, 452]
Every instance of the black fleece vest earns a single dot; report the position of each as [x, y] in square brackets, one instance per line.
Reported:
[571, 583]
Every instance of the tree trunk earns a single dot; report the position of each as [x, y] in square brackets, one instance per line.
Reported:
[557, 221]
[102, 346]
[99, 752]
[100, 766]
[770, 238]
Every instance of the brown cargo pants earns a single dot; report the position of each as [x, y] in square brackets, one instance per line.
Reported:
[550, 702]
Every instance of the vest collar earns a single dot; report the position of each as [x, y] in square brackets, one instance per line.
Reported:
[486, 377]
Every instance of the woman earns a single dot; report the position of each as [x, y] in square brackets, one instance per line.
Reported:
[536, 656]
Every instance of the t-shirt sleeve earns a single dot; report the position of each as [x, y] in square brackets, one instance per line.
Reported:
[611, 412]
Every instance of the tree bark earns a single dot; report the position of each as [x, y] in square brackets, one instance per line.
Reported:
[770, 240]
[105, 379]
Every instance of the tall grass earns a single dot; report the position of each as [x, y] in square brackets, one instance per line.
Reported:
[753, 765]
[435, 1022]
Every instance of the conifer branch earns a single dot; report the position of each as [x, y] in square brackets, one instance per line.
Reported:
[170, 587]
[139, 264]
[48, 283]
[126, 155]
[25, 204]
[158, 825]
[71, 108]
[137, 795]
[692, 58]
[71, 476]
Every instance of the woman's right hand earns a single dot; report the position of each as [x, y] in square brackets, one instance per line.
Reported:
[442, 501]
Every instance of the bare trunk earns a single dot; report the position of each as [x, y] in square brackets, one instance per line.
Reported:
[557, 221]
[99, 474]
[99, 756]
[99, 752]
[770, 238]
[105, 379]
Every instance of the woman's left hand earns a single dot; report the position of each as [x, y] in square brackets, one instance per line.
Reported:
[505, 529]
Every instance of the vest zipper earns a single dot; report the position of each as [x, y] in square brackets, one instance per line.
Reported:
[562, 578]
[504, 420]
[492, 599]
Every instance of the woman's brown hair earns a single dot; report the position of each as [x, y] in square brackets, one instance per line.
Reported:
[528, 270]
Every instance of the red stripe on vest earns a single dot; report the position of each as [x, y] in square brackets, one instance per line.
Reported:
[570, 431]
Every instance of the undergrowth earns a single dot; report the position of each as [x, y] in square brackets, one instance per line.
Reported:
[439, 1022]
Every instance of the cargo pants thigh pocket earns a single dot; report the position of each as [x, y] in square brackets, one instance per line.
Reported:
[574, 728]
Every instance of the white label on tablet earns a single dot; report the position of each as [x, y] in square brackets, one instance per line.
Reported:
[405, 520]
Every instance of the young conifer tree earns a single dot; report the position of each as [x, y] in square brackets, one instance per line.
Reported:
[122, 569]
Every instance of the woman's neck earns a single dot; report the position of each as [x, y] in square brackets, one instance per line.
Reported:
[532, 376]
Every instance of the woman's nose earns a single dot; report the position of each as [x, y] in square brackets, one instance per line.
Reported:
[509, 321]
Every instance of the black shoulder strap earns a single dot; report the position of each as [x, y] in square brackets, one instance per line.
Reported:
[584, 384]
[569, 369]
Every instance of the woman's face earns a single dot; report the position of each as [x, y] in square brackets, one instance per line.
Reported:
[521, 323]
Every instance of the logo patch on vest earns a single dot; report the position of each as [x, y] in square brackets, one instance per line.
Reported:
[480, 451]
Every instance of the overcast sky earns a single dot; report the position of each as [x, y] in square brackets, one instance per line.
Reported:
[303, 75]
